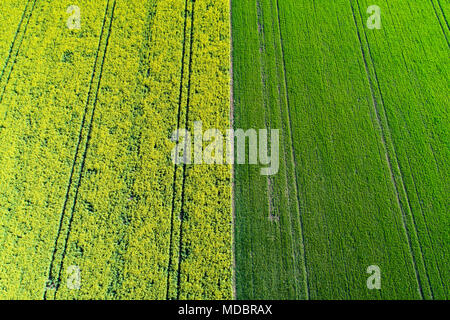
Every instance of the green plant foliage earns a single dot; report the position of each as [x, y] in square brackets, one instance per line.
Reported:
[363, 171]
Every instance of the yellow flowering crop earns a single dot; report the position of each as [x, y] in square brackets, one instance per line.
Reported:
[88, 187]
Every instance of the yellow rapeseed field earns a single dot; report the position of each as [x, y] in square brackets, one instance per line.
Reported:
[91, 204]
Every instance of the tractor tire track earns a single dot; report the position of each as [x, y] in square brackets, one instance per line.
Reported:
[270, 192]
[180, 100]
[183, 213]
[233, 177]
[89, 134]
[419, 198]
[14, 40]
[439, 20]
[397, 163]
[7, 64]
[293, 156]
[52, 279]
[443, 14]
[385, 134]
[267, 119]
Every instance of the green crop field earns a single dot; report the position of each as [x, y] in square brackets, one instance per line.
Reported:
[363, 177]
[117, 180]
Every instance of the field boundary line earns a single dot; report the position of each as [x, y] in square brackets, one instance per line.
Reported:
[233, 177]
[293, 157]
[77, 150]
[180, 101]
[385, 135]
[188, 101]
[19, 46]
[439, 20]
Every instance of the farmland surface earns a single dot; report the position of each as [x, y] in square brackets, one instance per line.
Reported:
[87, 180]
[93, 93]
[364, 176]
